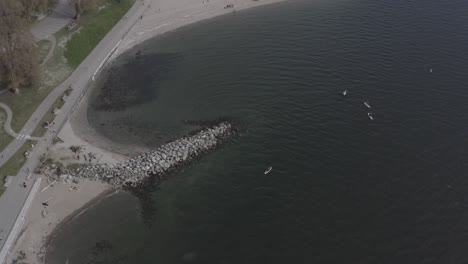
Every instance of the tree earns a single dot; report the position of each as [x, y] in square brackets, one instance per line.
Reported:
[28, 7]
[18, 61]
[82, 6]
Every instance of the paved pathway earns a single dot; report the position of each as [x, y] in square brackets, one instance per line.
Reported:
[15, 195]
[8, 128]
[53, 44]
[63, 13]
[9, 116]
[45, 29]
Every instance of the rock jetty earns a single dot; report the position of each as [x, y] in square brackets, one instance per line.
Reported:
[134, 171]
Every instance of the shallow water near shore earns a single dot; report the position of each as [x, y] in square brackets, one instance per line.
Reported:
[343, 189]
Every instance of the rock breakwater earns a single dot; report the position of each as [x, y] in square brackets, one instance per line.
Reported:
[134, 171]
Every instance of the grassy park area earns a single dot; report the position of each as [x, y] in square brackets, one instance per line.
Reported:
[48, 117]
[42, 48]
[72, 48]
[93, 28]
[11, 167]
[5, 139]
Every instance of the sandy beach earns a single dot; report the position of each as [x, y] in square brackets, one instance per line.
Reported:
[342, 188]
[61, 151]
[162, 16]
[64, 198]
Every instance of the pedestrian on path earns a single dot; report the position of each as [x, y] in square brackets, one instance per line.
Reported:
[24, 184]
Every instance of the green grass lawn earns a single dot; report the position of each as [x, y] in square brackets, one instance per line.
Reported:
[12, 166]
[42, 48]
[24, 105]
[5, 139]
[51, 5]
[72, 48]
[48, 117]
[94, 26]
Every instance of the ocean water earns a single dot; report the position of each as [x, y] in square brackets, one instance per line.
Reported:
[343, 189]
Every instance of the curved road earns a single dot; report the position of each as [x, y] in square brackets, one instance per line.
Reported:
[14, 197]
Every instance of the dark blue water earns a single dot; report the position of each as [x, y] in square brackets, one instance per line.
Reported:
[343, 189]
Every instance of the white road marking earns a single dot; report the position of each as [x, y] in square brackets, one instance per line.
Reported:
[23, 137]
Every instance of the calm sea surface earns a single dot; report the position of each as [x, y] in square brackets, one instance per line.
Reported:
[343, 189]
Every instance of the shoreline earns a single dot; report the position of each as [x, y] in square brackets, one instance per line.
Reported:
[42, 221]
[172, 16]
[71, 217]
[66, 203]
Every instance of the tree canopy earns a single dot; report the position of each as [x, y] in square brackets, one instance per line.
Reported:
[18, 60]
[84, 5]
